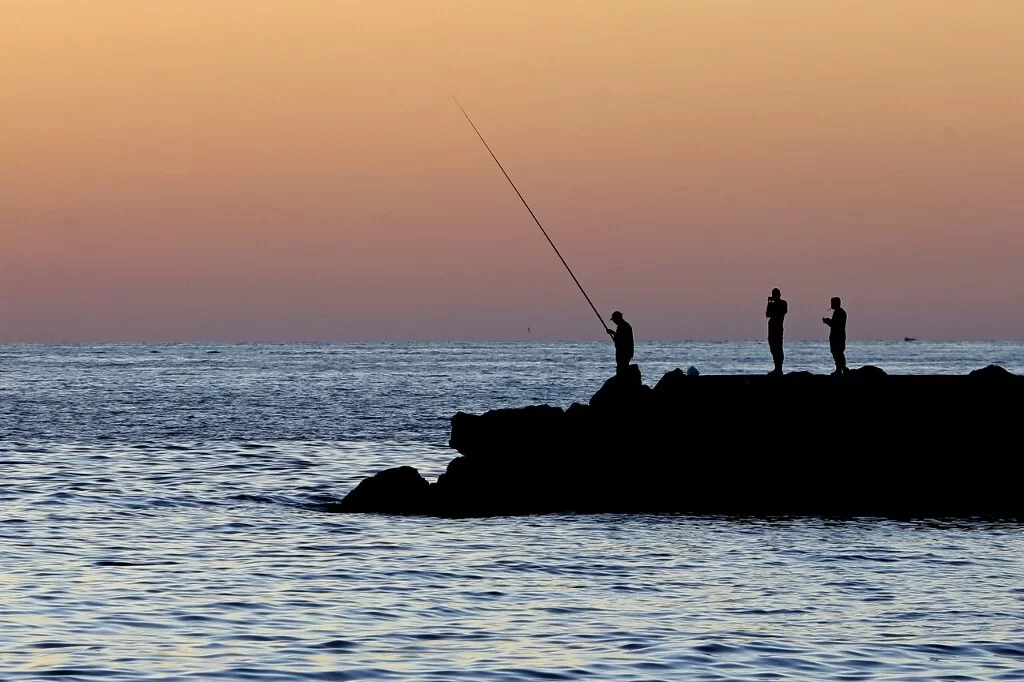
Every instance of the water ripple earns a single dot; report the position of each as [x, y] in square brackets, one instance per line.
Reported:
[161, 517]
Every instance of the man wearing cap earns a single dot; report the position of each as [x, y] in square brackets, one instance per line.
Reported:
[623, 338]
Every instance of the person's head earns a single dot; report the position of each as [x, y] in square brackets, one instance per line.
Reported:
[776, 294]
[617, 317]
[836, 303]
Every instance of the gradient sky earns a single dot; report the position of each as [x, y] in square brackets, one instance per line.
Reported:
[296, 169]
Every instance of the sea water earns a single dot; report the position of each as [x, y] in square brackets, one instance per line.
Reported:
[161, 518]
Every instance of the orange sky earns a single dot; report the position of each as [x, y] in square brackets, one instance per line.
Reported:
[296, 170]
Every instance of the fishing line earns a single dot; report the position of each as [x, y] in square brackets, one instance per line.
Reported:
[532, 214]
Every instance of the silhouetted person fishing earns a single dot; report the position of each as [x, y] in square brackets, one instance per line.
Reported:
[776, 313]
[837, 335]
[623, 338]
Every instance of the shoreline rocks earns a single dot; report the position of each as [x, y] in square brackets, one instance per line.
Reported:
[862, 444]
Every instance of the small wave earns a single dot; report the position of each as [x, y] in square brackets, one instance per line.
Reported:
[124, 563]
[57, 645]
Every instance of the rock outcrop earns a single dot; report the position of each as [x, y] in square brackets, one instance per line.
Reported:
[393, 491]
[866, 443]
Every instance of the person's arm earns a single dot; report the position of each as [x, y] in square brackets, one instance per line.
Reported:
[610, 333]
[768, 310]
[827, 321]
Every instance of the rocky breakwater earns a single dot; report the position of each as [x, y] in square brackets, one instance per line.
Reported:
[863, 444]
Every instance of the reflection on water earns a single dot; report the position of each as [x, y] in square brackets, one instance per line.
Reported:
[161, 518]
[216, 562]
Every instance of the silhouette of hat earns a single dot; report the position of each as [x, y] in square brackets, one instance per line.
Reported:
[616, 316]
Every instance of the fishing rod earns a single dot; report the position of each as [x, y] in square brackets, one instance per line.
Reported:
[532, 214]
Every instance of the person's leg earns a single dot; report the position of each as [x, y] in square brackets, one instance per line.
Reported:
[837, 354]
[778, 356]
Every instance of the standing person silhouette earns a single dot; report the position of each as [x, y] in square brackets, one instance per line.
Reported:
[776, 312]
[623, 338]
[837, 335]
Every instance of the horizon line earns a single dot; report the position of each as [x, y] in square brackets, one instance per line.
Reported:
[239, 342]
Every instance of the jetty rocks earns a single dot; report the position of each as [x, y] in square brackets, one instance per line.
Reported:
[861, 444]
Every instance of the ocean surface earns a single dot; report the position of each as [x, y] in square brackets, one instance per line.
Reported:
[161, 518]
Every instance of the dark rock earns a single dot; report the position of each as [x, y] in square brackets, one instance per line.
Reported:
[866, 374]
[994, 374]
[623, 390]
[393, 491]
[861, 444]
[577, 410]
[502, 432]
[671, 385]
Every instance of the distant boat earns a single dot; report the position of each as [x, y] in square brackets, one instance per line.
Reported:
[909, 338]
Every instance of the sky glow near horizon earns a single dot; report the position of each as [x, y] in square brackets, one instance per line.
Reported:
[255, 170]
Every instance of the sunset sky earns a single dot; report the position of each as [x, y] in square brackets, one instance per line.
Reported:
[297, 170]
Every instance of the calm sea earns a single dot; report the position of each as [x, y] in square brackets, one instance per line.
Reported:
[161, 519]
